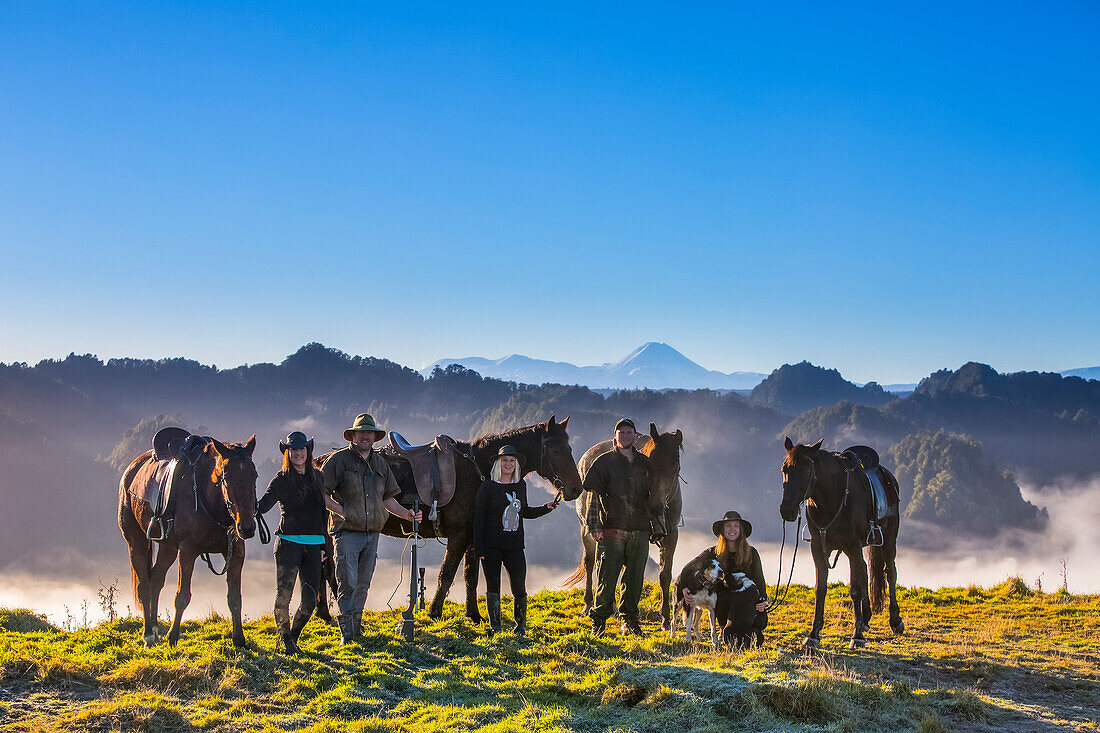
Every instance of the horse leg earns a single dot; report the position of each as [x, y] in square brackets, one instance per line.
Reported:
[821, 587]
[469, 575]
[861, 604]
[166, 555]
[668, 550]
[456, 550]
[890, 548]
[141, 566]
[233, 581]
[187, 557]
[589, 561]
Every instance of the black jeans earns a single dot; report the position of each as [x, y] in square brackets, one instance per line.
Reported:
[516, 564]
[301, 562]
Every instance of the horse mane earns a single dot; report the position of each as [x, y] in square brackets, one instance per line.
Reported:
[219, 461]
[514, 432]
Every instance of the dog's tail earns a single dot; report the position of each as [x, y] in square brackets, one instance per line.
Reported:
[876, 568]
[576, 577]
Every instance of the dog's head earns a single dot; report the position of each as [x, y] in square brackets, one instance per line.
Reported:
[711, 574]
[739, 583]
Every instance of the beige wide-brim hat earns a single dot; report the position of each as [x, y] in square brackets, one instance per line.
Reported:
[364, 421]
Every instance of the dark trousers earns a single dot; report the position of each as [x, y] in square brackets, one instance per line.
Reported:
[625, 558]
[301, 562]
[516, 565]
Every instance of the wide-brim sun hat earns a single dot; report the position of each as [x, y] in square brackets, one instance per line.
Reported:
[746, 526]
[363, 421]
[510, 450]
[294, 441]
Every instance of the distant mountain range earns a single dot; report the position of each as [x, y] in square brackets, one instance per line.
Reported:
[652, 365]
[1084, 373]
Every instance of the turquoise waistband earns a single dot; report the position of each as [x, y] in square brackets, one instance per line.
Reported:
[303, 539]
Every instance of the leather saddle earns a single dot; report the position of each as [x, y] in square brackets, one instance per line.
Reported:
[433, 468]
[883, 487]
[174, 453]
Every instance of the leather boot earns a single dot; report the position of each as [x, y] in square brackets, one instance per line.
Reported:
[346, 623]
[300, 621]
[521, 615]
[492, 605]
[358, 626]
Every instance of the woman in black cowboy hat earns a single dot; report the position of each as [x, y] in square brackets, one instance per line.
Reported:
[300, 538]
[499, 510]
[736, 555]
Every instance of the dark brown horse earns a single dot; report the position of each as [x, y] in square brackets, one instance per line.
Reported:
[546, 448]
[214, 512]
[839, 519]
[666, 502]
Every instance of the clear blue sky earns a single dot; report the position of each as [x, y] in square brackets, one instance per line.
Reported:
[753, 185]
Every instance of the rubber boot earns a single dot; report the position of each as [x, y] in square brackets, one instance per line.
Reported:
[346, 623]
[358, 626]
[300, 621]
[521, 615]
[492, 605]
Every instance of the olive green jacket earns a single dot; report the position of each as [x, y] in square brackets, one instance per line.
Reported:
[621, 489]
[362, 487]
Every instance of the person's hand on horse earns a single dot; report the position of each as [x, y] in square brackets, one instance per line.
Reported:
[762, 606]
[552, 505]
[688, 600]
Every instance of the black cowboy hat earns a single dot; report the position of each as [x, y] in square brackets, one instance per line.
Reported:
[746, 527]
[509, 450]
[297, 439]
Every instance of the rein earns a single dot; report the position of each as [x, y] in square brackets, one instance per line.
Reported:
[230, 530]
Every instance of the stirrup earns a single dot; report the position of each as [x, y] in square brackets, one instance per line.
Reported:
[158, 529]
[874, 536]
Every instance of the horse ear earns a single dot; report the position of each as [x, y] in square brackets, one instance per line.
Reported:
[817, 445]
[251, 444]
[220, 447]
[787, 443]
[653, 430]
[551, 422]
[563, 422]
[679, 437]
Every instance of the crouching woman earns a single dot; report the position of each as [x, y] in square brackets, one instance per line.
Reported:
[300, 538]
[499, 510]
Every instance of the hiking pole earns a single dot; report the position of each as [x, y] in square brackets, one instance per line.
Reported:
[408, 620]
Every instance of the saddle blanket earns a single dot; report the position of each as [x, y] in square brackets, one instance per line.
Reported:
[153, 481]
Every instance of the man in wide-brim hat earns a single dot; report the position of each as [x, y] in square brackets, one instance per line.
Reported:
[360, 481]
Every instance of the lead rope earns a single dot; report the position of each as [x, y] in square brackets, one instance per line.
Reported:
[781, 596]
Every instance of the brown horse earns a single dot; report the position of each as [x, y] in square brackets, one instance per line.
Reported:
[838, 517]
[666, 503]
[546, 447]
[214, 507]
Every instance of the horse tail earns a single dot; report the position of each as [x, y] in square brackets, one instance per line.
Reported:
[876, 565]
[576, 577]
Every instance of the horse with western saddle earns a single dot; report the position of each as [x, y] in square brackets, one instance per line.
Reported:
[191, 496]
[444, 476]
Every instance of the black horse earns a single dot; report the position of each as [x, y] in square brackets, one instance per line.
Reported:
[663, 450]
[839, 519]
[546, 448]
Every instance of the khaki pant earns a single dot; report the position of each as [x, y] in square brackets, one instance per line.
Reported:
[617, 557]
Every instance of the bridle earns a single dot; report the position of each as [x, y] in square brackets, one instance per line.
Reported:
[551, 475]
[229, 526]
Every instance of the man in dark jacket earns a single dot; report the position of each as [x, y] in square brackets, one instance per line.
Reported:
[365, 491]
[619, 521]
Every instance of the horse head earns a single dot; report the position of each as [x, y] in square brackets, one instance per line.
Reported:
[799, 477]
[235, 475]
[663, 451]
[556, 463]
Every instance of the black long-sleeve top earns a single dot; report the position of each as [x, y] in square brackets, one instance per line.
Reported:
[302, 504]
[499, 511]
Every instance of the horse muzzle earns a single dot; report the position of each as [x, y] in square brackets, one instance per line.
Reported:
[789, 512]
[246, 530]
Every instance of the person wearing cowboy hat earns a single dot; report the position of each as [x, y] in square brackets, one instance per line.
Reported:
[736, 555]
[500, 507]
[365, 492]
[300, 538]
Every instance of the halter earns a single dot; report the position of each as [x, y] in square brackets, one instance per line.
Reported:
[230, 527]
[556, 480]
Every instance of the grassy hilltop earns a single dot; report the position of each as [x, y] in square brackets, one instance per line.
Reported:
[1003, 658]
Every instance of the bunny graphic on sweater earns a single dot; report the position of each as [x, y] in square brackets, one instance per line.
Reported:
[511, 514]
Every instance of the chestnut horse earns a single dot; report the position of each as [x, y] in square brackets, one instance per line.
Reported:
[666, 503]
[546, 448]
[215, 515]
[838, 517]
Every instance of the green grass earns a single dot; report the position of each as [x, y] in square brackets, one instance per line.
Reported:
[1001, 658]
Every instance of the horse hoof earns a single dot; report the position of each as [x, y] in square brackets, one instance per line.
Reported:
[149, 640]
[899, 627]
[811, 643]
[857, 644]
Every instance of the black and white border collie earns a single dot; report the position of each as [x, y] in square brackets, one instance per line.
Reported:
[700, 580]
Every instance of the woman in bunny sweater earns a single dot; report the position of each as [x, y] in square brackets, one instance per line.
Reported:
[499, 510]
